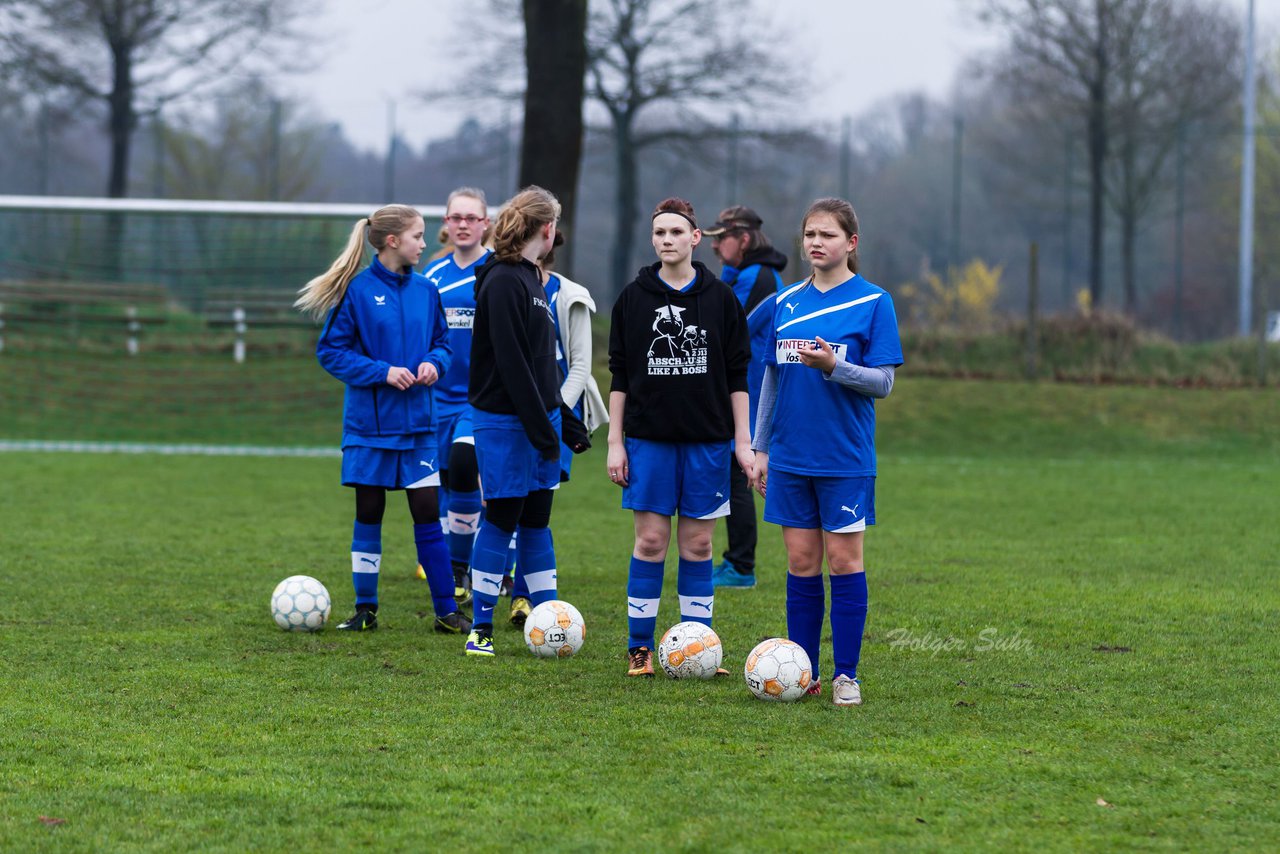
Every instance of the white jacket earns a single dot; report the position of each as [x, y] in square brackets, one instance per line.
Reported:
[574, 307]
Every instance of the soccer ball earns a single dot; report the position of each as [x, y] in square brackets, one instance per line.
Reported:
[300, 604]
[778, 669]
[554, 630]
[690, 651]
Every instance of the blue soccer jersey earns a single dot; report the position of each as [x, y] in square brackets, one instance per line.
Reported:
[457, 293]
[821, 428]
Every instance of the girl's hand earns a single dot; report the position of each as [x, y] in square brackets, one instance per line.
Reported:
[759, 474]
[821, 356]
[619, 465]
[400, 378]
[746, 457]
[427, 374]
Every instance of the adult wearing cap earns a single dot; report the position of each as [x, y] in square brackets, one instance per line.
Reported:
[753, 268]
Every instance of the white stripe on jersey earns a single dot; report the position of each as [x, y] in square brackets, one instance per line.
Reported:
[758, 307]
[438, 265]
[791, 290]
[841, 307]
[457, 284]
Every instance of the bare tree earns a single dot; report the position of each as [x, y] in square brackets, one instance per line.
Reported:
[555, 64]
[1179, 75]
[134, 55]
[662, 69]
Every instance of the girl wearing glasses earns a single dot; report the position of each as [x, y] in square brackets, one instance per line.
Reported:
[466, 221]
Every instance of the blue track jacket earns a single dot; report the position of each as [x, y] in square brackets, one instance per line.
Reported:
[384, 319]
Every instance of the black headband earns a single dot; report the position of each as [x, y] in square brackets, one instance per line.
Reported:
[656, 214]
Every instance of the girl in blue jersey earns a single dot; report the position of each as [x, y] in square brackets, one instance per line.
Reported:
[833, 351]
[678, 352]
[514, 390]
[466, 220]
[386, 338]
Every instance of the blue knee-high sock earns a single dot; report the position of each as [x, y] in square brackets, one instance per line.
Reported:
[366, 558]
[434, 558]
[693, 583]
[535, 565]
[848, 619]
[644, 592]
[488, 562]
[805, 610]
[463, 522]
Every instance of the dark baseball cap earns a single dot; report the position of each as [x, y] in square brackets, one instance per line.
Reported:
[738, 217]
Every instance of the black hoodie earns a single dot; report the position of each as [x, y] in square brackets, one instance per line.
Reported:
[768, 282]
[678, 355]
[513, 350]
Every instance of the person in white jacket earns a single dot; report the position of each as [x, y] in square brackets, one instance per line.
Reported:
[572, 307]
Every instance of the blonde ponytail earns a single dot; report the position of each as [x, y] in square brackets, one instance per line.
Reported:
[325, 291]
[518, 223]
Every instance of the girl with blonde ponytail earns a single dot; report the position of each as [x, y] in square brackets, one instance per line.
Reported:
[387, 340]
[514, 392]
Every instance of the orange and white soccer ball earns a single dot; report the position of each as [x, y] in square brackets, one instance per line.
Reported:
[690, 650]
[778, 669]
[554, 630]
[300, 604]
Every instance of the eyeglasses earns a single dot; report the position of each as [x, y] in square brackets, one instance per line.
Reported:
[459, 219]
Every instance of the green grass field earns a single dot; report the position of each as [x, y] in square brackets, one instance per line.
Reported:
[1071, 646]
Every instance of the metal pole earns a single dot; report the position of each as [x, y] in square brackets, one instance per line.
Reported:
[1033, 312]
[1180, 208]
[846, 156]
[43, 156]
[1246, 183]
[157, 172]
[389, 179]
[957, 176]
[1069, 158]
[734, 124]
[273, 167]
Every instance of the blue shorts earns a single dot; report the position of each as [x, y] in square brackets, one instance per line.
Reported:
[510, 466]
[411, 469]
[455, 427]
[692, 477]
[841, 505]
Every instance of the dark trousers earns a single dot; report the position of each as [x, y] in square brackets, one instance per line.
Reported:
[741, 521]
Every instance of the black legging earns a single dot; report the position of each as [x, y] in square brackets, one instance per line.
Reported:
[527, 511]
[463, 471]
[371, 503]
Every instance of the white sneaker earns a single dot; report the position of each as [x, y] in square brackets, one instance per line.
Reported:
[846, 691]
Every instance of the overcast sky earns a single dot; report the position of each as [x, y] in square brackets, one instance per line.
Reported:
[378, 51]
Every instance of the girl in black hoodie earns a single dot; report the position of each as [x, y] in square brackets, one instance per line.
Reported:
[678, 352]
[514, 391]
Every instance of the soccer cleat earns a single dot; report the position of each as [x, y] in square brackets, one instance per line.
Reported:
[461, 584]
[720, 671]
[520, 609]
[726, 574]
[420, 573]
[846, 691]
[480, 641]
[814, 689]
[453, 624]
[640, 661]
[364, 620]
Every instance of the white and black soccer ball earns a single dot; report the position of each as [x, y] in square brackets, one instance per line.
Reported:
[300, 604]
[554, 630]
[690, 650]
[778, 669]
